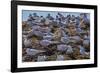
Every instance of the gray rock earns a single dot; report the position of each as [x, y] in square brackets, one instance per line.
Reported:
[45, 42]
[77, 38]
[86, 41]
[69, 50]
[74, 39]
[38, 33]
[45, 30]
[33, 52]
[62, 47]
[64, 39]
[48, 37]
[36, 27]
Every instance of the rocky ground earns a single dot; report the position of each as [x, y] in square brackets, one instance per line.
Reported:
[55, 39]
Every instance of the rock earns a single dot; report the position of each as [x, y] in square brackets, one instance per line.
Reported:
[72, 29]
[82, 50]
[47, 21]
[79, 30]
[77, 38]
[57, 34]
[48, 37]
[86, 42]
[33, 52]
[55, 42]
[45, 43]
[27, 42]
[69, 50]
[45, 29]
[61, 47]
[26, 58]
[63, 33]
[35, 27]
[76, 53]
[29, 23]
[30, 34]
[41, 58]
[64, 39]
[38, 33]
[82, 24]
[74, 39]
